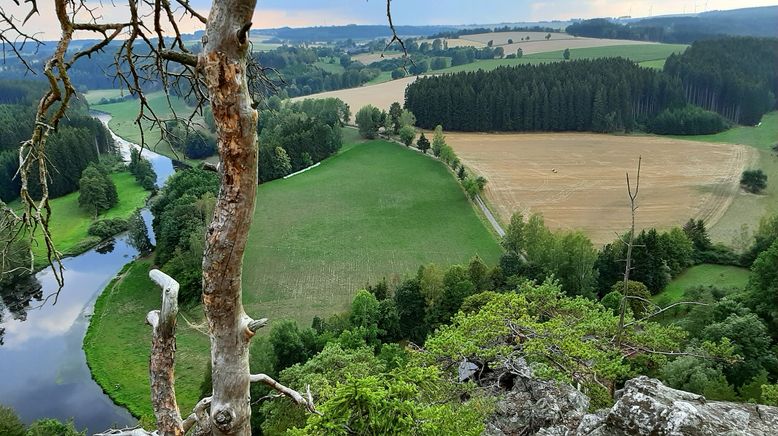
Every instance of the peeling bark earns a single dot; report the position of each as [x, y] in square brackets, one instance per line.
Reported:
[223, 63]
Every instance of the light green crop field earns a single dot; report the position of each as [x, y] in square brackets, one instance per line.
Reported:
[638, 53]
[748, 209]
[704, 275]
[376, 210]
[325, 65]
[69, 223]
[118, 329]
[124, 114]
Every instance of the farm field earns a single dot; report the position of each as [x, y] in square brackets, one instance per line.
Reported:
[381, 95]
[638, 53]
[680, 179]
[360, 216]
[723, 276]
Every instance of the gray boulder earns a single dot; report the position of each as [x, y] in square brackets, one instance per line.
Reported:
[647, 407]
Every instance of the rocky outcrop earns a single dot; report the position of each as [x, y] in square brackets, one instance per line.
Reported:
[647, 407]
[644, 407]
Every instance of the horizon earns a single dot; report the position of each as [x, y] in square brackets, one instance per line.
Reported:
[273, 14]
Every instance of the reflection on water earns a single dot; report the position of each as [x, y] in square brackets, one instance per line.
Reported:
[42, 344]
[43, 371]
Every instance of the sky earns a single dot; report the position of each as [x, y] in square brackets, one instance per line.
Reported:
[301, 13]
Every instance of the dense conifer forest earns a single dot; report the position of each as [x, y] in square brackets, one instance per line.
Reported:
[600, 95]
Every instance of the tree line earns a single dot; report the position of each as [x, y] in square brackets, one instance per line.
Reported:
[601, 95]
[78, 141]
[293, 136]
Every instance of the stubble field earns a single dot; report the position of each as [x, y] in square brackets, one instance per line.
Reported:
[577, 181]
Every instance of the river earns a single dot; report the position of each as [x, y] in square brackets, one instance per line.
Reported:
[43, 370]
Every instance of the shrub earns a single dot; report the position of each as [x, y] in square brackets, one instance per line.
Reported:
[10, 424]
[688, 120]
[753, 181]
[50, 427]
[106, 228]
[199, 146]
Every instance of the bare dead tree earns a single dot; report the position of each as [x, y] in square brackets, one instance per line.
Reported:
[630, 241]
[149, 48]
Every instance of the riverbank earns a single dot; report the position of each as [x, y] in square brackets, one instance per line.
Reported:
[69, 223]
[117, 344]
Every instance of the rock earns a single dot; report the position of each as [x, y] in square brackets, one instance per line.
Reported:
[647, 407]
[533, 405]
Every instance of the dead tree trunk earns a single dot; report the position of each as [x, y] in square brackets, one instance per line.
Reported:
[224, 64]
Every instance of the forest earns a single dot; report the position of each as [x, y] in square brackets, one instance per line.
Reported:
[78, 142]
[601, 95]
[733, 77]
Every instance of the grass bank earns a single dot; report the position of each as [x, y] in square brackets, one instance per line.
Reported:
[118, 341]
[69, 223]
[721, 276]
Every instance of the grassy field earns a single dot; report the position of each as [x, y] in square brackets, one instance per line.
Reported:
[69, 223]
[704, 275]
[763, 137]
[117, 344]
[748, 209]
[125, 112]
[376, 210]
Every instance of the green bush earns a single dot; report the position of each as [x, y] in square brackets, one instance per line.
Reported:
[10, 424]
[688, 120]
[106, 228]
[52, 427]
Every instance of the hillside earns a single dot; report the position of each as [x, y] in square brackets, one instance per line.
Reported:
[373, 211]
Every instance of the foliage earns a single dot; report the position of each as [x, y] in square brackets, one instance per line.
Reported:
[569, 256]
[423, 143]
[688, 120]
[400, 402]
[369, 120]
[734, 76]
[49, 427]
[10, 424]
[138, 234]
[754, 181]
[407, 135]
[600, 95]
[438, 141]
[97, 192]
[299, 135]
[763, 287]
[106, 228]
[641, 305]
[180, 216]
[700, 376]
[548, 329]
[395, 110]
[142, 170]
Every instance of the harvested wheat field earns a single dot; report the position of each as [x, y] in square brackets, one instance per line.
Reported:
[577, 180]
[382, 95]
[537, 42]
[369, 58]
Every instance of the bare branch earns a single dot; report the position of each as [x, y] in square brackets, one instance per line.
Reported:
[305, 401]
